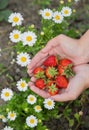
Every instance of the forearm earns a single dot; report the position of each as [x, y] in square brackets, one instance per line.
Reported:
[84, 42]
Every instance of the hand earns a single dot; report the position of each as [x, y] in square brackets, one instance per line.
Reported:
[60, 45]
[76, 85]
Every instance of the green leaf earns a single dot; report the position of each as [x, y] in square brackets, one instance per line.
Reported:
[5, 14]
[3, 3]
[77, 116]
[71, 122]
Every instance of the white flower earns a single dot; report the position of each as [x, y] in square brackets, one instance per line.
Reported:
[49, 103]
[29, 38]
[11, 116]
[23, 59]
[76, 0]
[38, 108]
[31, 121]
[8, 128]
[66, 11]
[22, 85]
[6, 94]
[15, 19]
[31, 99]
[46, 13]
[57, 17]
[15, 36]
[3, 118]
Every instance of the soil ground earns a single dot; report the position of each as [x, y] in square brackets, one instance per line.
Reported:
[9, 71]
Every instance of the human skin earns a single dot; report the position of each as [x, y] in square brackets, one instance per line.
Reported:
[74, 49]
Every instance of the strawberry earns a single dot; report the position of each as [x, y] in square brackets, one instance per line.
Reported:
[61, 81]
[39, 72]
[65, 62]
[65, 68]
[40, 83]
[53, 89]
[51, 72]
[37, 69]
[50, 61]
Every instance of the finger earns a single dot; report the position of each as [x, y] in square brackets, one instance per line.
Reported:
[38, 91]
[33, 79]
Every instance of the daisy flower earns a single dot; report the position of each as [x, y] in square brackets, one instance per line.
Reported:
[46, 13]
[15, 19]
[11, 116]
[15, 36]
[8, 128]
[66, 11]
[31, 121]
[57, 17]
[3, 118]
[49, 104]
[23, 59]
[6, 94]
[29, 38]
[31, 99]
[22, 85]
[38, 108]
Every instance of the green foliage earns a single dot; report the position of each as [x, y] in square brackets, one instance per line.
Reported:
[18, 103]
[4, 12]
[42, 3]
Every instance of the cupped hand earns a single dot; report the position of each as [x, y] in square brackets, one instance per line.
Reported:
[61, 45]
[76, 86]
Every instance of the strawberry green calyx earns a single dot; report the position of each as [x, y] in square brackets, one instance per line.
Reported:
[53, 89]
[40, 75]
[51, 72]
[68, 72]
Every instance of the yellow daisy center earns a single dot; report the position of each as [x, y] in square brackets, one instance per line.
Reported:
[7, 94]
[22, 84]
[15, 19]
[57, 17]
[28, 38]
[47, 14]
[12, 115]
[49, 103]
[23, 59]
[32, 121]
[66, 12]
[38, 107]
[31, 99]
[16, 36]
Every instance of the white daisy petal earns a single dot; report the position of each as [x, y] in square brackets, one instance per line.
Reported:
[38, 108]
[7, 128]
[49, 104]
[6, 94]
[11, 116]
[15, 36]
[57, 17]
[66, 11]
[31, 121]
[46, 13]
[15, 19]
[23, 59]
[29, 38]
[31, 99]
[22, 85]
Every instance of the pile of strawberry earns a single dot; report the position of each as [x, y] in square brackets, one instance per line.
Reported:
[53, 74]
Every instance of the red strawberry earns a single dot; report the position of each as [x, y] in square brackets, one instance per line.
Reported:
[60, 70]
[53, 89]
[37, 69]
[40, 83]
[50, 61]
[38, 72]
[51, 72]
[65, 68]
[65, 62]
[61, 81]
